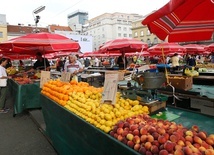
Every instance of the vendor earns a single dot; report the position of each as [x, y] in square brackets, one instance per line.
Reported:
[73, 66]
[40, 64]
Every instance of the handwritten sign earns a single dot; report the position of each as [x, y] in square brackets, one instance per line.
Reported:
[65, 76]
[110, 88]
[45, 77]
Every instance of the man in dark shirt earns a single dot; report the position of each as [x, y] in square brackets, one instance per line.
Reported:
[40, 64]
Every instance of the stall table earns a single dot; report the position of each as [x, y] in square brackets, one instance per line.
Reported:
[71, 134]
[25, 96]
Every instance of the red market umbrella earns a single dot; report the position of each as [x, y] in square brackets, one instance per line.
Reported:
[210, 47]
[143, 53]
[194, 48]
[44, 42]
[17, 56]
[123, 45]
[166, 48]
[183, 20]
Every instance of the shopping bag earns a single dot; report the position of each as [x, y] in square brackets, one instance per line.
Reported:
[3, 82]
[75, 78]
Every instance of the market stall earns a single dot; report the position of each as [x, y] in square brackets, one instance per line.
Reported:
[25, 96]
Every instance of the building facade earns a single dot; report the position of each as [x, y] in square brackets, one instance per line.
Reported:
[110, 26]
[3, 28]
[142, 33]
[77, 19]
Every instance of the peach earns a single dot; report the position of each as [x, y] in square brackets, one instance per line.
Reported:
[204, 144]
[181, 143]
[161, 131]
[189, 138]
[112, 133]
[130, 144]
[142, 150]
[154, 149]
[143, 138]
[179, 152]
[120, 131]
[130, 136]
[195, 128]
[173, 138]
[126, 125]
[211, 136]
[166, 135]
[143, 131]
[196, 139]
[196, 145]
[124, 134]
[151, 129]
[155, 135]
[163, 152]
[149, 153]
[155, 142]
[162, 139]
[120, 137]
[137, 147]
[174, 127]
[150, 138]
[124, 140]
[160, 124]
[115, 135]
[133, 127]
[202, 149]
[188, 143]
[147, 145]
[178, 135]
[178, 147]
[136, 132]
[187, 150]
[209, 152]
[169, 146]
[136, 139]
[120, 124]
[189, 133]
[209, 141]
[202, 135]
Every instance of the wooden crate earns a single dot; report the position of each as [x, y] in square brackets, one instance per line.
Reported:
[155, 106]
[181, 82]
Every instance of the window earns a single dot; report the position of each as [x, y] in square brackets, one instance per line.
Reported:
[142, 40]
[148, 33]
[124, 35]
[119, 28]
[148, 41]
[141, 33]
[103, 35]
[1, 34]
[155, 40]
[124, 29]
[119, 34]
[130, 35]
[135, 34]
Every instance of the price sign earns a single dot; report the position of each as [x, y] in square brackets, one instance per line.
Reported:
[45, 77]
[65, 76]
[110, 88]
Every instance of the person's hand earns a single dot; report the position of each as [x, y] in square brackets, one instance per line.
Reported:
[9, 77]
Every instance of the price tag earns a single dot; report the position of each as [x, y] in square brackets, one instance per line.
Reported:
[45, 77]
[65, 77]
[110, 88]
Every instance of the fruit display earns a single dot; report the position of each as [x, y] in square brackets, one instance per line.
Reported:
[85, 101]
[209, 65]
[23, 80]
[150, 136]
[11, 70]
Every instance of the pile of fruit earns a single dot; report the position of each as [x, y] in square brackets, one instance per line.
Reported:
[85, 101]
[150, 136]
[23, 80]
[11, 70]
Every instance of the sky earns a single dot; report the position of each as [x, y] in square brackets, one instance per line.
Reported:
[56, 11]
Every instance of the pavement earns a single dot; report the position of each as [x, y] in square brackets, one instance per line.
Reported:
[24, 133]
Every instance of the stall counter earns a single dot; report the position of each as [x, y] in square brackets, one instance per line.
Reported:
[25, 96]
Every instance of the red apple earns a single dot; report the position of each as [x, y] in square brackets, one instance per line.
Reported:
[137, 147]
[169, 146]
[154, 149]
[119, 131]
[120, 124]
[133, 127]
[162, 139]
[155, 135]
[136, 132]
[136, 139]
[120, 137]
[130, 144]
[187, 150]
[143, 138]
[142, 150]
[147, 145]
[143, 131]
[173, 138]
[163, 152]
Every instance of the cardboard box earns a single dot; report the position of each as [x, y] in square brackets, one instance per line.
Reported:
[181, 82]
[207, 110]
[153, 107]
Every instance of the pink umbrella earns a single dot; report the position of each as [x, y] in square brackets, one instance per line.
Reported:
[194, 48]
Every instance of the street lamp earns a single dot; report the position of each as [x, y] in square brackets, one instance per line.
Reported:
[37, 18]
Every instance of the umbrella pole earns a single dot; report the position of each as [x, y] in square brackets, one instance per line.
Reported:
[44, 58]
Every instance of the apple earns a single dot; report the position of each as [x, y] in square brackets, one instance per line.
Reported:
[124, 140]
[137, 147]
[169, 146]
[143, 131]
[195, 128]
[209, 141]
[142, 150]
[196, 139]
[136, 132]
[202, 135]
[143, 138]
[173, 138]
[155, 135]
[124, 133]
[166, 135]
[147, 145]
[112, 133]
[155, 142]
[179, 152]
[189, 133]
[189, 138]
[120, 137]
[187, 150]
[130, 144]
[150, 138]
[161, 131]
[133, 127]
[163, 152]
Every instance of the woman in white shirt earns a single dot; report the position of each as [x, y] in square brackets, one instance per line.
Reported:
[3, 88]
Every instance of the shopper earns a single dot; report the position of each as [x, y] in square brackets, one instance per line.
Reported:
[3, 86]
[175, 61]
[73, 66]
